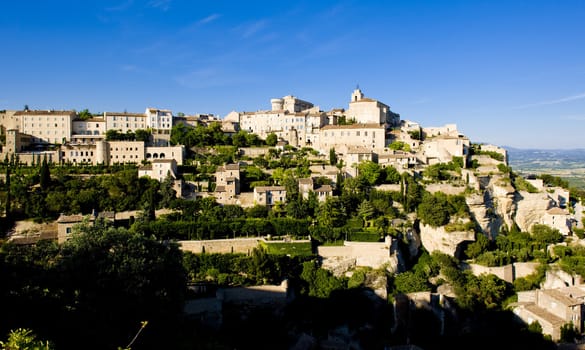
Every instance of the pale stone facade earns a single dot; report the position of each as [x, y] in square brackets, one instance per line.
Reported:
[559, 219]
[269, 195]
[78, 154]
[112, 152]
[46, 126]
[307, 185]
[227, 179]
[88, 131]
[366, 110]
[125, 122]
[159, 169]
[125, 152]
[371, 136]
[398, 159]
[552, 308]
[165, 152]
[160, 123]
[445, 130]
[65, 225]
[442, 149]
[290, 118]
[290, 103]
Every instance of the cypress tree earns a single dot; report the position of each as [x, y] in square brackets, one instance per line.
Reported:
[8, 197]
[44, 174]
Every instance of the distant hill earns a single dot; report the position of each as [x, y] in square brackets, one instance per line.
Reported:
[568, 164]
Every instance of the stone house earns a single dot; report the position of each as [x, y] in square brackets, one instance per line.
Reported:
[269, 195]
[65, 225]
[442, 149]
[552, 308]
[559, 219]
[227, 178]
[159, 169]
[341, 137]
[307, 185]
[397, 159]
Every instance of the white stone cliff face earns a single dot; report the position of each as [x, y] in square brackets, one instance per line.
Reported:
[531, 207]
[436, 238]
[501, 193]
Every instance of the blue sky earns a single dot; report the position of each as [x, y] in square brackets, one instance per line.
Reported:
[510, 73]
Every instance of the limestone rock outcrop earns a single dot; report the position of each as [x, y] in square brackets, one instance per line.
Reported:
[502, 195]
[530, 209]
[437, 238]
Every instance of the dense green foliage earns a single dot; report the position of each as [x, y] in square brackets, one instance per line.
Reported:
[99, 285]
[60, 192]
[514, 246]
[437, 209]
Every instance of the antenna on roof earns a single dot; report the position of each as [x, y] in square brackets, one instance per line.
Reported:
[357, 86]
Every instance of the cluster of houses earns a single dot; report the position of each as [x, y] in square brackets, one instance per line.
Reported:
[362, 132]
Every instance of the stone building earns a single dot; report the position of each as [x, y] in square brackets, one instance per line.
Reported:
[370, 136]
[88, 131]
[125, 122]
[269, 195]
[46, 127]
[552, 308]
[308, 185]
[369, 111]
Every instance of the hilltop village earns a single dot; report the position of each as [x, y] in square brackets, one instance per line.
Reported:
[365, 189]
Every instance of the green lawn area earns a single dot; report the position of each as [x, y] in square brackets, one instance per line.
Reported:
[292, 249]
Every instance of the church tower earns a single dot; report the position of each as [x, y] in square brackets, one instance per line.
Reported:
[357, 94]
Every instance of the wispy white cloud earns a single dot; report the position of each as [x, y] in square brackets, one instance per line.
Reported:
[554, 102]
[160, 4]
[249, 29]
[209, 19]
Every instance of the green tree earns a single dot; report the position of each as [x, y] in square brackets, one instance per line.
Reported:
[366, 210]
[332, 156]
[179, 135]
[433, 210]
[392, 176]
[44, 175]
[239, 139]
[319, 282]
[84, 114]
[370, 172]
[8, 192]
[113, 279]
[271, 139]
[408, 282]
[331, 213]
[143, 135]
[24, 339]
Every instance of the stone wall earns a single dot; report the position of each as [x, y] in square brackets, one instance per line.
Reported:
[445, 188]
[236, 245]
[508, 272]
[340, 259]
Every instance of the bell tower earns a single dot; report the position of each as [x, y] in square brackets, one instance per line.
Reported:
[357, 94]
